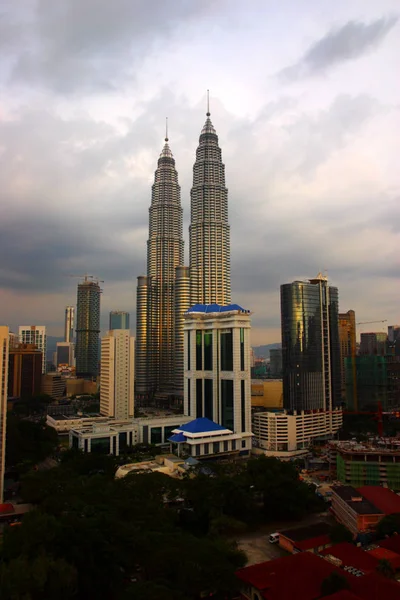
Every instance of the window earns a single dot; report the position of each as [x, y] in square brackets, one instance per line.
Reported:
[199, 365]
[208, 351]
[206, 448]
[243, 404]
[226, 446]
[188, 395]
[155, 435]
[188, 350]
[215, 447]
[227, 403]
[226, 350]
[198, 450]
[199, 398]
[233, 444]
[243, 443]
[242, 367]
[208, 398]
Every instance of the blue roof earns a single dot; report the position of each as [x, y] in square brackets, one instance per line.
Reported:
[201, 425]
[177, 438]
[212, 308]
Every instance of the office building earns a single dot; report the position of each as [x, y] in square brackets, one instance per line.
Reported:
[117, 374]
[275, 362]
[347, 339]
[209, 233]
[4, 344]
[87, 328]
[69, 324]
[394, 339]
[118, 320]
[64, 356]
[54, 385]
[155, 326]
[373, 343]
[310, 345]
[24, 371]
[217, 367]
[35, 334]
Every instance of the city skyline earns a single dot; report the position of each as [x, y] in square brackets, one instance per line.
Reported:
[307, 124]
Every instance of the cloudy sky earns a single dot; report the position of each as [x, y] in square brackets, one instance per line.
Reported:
[305, 97]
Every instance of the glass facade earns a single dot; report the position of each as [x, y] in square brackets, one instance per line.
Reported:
[227, 403]
[208, 398]
[87, 329]
[100, 445]
[208, 351]
[188, 395]
[156, 435]
[242, 367]
[243, 403]
[226, 343]
[188, 350]
[199, 398]
[310, 345]
[199, 351]
[119, 320]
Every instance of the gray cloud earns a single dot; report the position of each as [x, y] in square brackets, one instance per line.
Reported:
[348, 42]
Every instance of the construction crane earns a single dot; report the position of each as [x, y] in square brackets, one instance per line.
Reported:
[370, 322]
[86, 277]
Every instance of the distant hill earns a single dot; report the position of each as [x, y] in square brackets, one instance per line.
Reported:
[263, 351]
[51, 345]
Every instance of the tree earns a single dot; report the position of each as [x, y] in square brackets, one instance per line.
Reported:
[388, 525]
[334, 583]
[28, 442]
[340, 533]
[385, 568]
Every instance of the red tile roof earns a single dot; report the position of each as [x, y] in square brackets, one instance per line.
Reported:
[6, 508]
[374, 587]
[383, 498]
[351, 556]
[392, 543]
[298, 576]
[385, 554]
[343, 595]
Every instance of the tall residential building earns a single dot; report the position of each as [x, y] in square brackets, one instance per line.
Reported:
[209, 234]
[24, 371]
[69, 324]
[119, 320]
[373, 343]
[310, 345]
[117, 374]
[217, 367]
[87, 328]
[155, 327]
[4, 343]
[347, 338]
[35, 334]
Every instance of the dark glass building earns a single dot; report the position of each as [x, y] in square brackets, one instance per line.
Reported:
[87, 329]
[310, 345]
[119, 320]
[24, 371]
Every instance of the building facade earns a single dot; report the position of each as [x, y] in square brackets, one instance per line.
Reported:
[373, 343]
[117, 370]
[54, 385]
[24, 371]
[347, 338]
[310, 345]
[119, 320]
[4, 345]
[155, 327]
[209, 233]
[217, 367]
[275, 362]
[87, 328]
[69, 324]
[64, 358]
[35, 334]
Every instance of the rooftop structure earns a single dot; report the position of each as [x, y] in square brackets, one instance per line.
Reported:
[350, 555]
[304, 539]
[202, 438]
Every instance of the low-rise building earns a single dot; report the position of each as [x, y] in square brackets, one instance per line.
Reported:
[267, 393]
[203, 438]
[77, 385]
[283, 434]
[374, 463]
[313, 538]
[348, 555]
[54, 385]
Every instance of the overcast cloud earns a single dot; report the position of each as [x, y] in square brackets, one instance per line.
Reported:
[312, 168]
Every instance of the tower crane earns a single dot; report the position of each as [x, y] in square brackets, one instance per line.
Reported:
[86, 277]
[370, 322]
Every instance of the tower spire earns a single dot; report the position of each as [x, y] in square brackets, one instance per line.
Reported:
[208, 103]
[166, 129]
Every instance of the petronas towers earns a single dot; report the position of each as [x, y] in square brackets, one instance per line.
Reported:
[170, 288]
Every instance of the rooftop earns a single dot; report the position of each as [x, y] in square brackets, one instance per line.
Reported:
[351, 556]
[385, 554]
[392, 543]
[383, 498]
[201, 425]
[356, 500]
[301, 534]
[215, 308]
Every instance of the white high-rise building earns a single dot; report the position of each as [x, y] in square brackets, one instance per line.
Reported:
[4, 345]
[35, 334]
[217, 367]
[117, 368]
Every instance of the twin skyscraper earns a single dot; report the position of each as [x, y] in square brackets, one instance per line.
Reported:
[170, 287]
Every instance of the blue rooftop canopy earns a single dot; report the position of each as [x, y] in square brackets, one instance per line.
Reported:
[212, 308]
[201, 425]
[177, 438]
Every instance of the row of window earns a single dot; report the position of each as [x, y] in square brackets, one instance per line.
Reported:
[204, 404]
[204, 350]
